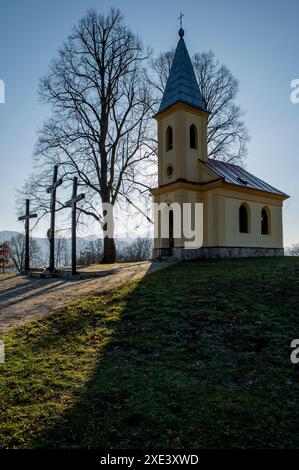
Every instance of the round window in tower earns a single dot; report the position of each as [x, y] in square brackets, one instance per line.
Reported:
[169, 171]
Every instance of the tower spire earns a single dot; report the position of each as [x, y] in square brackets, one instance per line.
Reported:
[182, 84]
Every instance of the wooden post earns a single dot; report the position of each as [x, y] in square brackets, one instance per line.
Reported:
[27, 218]
[52, 190]
[73, 204]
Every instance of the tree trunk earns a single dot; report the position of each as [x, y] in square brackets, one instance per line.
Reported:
[109, 251]
[108, 229]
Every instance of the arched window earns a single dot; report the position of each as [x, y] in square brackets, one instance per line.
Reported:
[169, 171]
[243, 219]
[265, 221]
[193, 137]
[169, 138]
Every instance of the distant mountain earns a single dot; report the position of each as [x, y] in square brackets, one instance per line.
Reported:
[6, 235]
[121, 239]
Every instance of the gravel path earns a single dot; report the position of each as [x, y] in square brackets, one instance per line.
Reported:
[23, 298]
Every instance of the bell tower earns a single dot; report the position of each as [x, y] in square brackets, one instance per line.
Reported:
[182, 142]
[182, 122]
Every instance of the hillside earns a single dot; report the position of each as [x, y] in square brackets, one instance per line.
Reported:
[6, 235]
[196, 355]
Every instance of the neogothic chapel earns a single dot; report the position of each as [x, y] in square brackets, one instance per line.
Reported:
[242, 215]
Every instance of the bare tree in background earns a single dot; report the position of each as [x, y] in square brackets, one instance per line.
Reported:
[139, 250]
[227, 133]
[62, 252]
[91, 253]
[294, 251]
[17, 252]
[101, 112]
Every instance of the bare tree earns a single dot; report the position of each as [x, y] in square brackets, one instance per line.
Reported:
[139, 250]
[294, 251]
[17, 252]
[62, 252]
[91, 253]
[101, 112]
[227, 133]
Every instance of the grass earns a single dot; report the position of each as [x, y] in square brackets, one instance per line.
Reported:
[7, 276]
[193, 356]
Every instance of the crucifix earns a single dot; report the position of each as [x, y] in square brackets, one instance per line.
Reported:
[73, 204]
[52, 190]
[27, 218]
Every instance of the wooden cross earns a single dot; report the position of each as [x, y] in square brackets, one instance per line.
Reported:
[181, 19]
[52, 190]
[73, 204]
[27, 218]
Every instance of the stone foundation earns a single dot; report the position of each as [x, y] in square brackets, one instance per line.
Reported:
[216, 252]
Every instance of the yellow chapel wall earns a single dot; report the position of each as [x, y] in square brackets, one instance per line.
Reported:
[226, 220]
[221, 217]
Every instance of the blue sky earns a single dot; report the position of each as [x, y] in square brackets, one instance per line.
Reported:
[257, 40]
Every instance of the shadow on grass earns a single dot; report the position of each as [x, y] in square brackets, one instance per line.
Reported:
[33, 289]
[190, 356]
[28, 290]
[136, 392]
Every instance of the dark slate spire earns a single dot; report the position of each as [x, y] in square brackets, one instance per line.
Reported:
[182, 85]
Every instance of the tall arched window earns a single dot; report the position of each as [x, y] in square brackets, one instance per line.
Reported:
[265, 223]
[193, 137]
[169, 138]
[243, 219]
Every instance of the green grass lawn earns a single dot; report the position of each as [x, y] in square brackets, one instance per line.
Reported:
[196, 355]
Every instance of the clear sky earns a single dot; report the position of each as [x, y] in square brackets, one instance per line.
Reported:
[256, 39]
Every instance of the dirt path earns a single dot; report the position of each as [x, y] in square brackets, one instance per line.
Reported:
[23, 298]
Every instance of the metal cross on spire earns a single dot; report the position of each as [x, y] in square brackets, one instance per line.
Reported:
[181, 19]
[181, 31]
